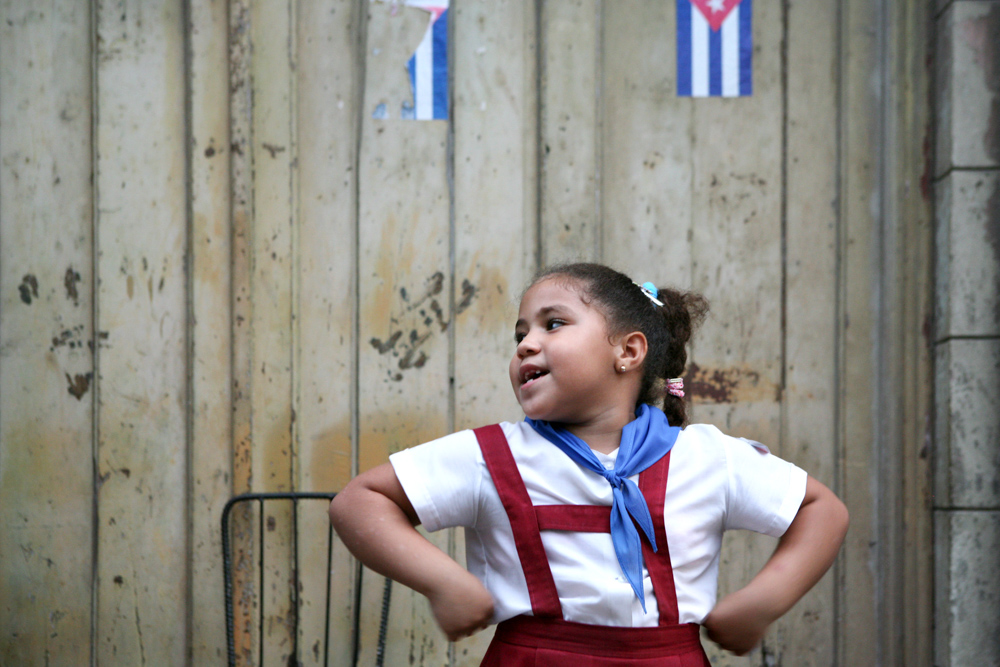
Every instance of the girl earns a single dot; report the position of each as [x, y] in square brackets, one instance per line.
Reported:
[593, 527]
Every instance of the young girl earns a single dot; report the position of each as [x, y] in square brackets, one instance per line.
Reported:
[593, 527]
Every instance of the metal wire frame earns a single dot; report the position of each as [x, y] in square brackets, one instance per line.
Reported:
[227, 568]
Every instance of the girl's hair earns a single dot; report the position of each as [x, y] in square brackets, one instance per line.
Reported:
[627, 308]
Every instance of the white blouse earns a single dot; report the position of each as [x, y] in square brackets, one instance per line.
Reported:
[715, 483]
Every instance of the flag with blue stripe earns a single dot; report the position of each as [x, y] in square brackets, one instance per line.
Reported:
[428, 66]
[714, 48]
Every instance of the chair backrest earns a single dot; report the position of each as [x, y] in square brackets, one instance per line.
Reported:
[286, 577]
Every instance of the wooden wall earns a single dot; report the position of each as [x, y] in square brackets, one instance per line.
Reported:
[221, 273]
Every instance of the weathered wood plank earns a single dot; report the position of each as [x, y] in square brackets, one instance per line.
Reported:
[858, 121]
[915, 215]
[809, 434]
[495, 171]
[241, 201]
[46, 334]
[141, 375]
[328, 59]
[210, 329]
[272, 71]
[569, 39]
[646, 196]
[737, 264]
[404, 310]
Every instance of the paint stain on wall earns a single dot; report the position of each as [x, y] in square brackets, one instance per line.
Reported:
[406, 345]
[78, 384]
[727, 385]
[69, 281]
[28, 288]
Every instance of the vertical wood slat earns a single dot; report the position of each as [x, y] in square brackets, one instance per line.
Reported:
[858, 138]
[141, 377]
[210, 335]
[568, 179]
[736, 250]
[646, 174]
[273, 327]
[809, 432]
[915, 216]
[494, 172]
[46, 334]
[404, 312]
[241, 303]
[327, 65]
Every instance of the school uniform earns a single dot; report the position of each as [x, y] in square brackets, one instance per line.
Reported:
[552, 569]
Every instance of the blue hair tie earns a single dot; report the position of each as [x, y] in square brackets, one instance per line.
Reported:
[649, 289]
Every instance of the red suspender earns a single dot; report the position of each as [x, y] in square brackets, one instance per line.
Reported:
[527, 539]
[527, 520]
[653, 484]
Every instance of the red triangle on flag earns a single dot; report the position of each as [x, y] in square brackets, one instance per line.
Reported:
[715, 11]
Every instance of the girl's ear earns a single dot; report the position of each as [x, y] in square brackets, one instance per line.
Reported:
[631, 350]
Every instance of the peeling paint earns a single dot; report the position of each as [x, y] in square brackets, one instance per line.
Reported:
[727, 385]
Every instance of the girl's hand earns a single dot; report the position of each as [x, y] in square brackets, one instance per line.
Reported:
[736, 626]
[463, 607]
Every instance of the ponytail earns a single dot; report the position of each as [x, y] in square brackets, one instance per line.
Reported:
[682, 313]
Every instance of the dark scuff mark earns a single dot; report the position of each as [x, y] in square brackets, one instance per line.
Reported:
[439, 314]
[210, 151]
[468, 294]
[119, 580]
[78, 384]
[70, 280]
[716, 385]
[273, 150]
[271, 524]
[387, 345]
[28, 288]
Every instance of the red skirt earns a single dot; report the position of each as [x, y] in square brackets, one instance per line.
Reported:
[527, 641]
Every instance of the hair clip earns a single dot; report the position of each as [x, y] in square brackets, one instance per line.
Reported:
[675, 386]
[649, 289]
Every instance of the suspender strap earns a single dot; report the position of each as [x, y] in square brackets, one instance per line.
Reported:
[575, 518]
[653, 484]
[527, 539]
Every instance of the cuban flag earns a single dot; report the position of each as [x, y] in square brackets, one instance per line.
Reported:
[428, 66]
[714, 48]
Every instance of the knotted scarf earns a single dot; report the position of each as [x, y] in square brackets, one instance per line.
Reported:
[645, 441]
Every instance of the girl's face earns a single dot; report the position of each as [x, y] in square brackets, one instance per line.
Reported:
[563, 369]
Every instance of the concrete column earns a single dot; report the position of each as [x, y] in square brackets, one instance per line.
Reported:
[967, 335]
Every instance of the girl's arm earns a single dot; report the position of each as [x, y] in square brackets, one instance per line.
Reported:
[377, 523]
[805, 552]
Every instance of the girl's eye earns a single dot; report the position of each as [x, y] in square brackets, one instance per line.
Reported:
[554, 324]
[518, 336]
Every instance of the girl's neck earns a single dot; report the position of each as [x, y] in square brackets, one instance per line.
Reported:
[603, 435]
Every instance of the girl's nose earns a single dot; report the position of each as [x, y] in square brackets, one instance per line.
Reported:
[528, 345]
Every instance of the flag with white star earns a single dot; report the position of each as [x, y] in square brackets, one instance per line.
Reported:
[714, 48]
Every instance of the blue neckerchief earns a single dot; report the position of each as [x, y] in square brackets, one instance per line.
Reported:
[645, 441]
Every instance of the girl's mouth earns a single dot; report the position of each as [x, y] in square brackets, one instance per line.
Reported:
[529, 375]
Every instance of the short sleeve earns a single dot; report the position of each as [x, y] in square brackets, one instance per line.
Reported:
[765, 492]
[441, 479]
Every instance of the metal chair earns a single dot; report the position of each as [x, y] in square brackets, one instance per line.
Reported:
[256, 564]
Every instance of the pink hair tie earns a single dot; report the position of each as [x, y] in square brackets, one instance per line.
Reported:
[675, 386]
